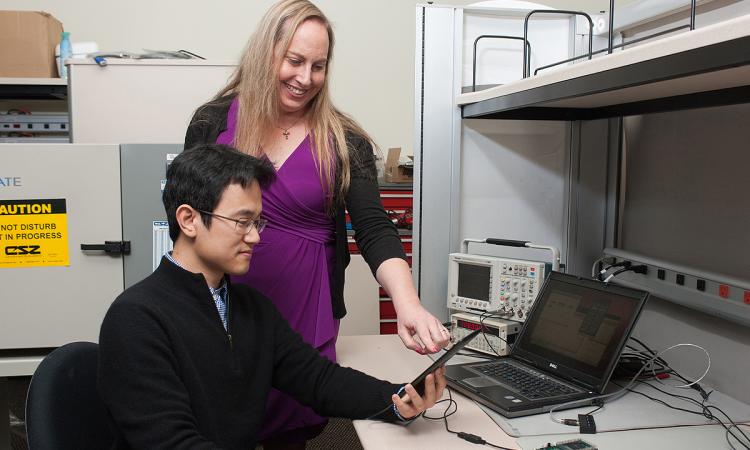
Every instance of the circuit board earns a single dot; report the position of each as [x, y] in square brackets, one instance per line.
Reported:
[575, 444]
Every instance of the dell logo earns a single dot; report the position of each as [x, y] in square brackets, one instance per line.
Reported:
[553, 365]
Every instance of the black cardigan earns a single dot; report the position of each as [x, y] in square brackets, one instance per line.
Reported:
[170, 375]
[375, 234]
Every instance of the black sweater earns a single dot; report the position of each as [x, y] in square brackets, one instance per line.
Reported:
[375, 234]
[171, 377]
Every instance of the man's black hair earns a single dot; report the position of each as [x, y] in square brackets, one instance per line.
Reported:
[199, 175]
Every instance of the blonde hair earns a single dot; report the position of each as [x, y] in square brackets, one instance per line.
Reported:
[255, 83]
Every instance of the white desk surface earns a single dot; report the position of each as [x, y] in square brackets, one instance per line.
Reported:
[385, 357]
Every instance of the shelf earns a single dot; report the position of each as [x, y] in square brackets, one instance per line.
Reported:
[33, 88]
[112, 61]
[395, 186]
[709, 66]
[401, 232]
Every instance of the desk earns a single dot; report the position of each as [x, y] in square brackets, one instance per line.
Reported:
[386, 357]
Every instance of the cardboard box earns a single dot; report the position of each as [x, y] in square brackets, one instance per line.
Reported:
[27, 44]
[395, 172]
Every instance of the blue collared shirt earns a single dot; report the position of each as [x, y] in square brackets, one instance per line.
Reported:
[220, 294]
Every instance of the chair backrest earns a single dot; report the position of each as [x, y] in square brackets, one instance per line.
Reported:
[63, 409]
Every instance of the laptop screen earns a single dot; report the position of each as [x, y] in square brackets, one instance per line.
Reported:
[578, 328]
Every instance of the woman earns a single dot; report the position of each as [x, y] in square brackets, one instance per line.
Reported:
[277, 105]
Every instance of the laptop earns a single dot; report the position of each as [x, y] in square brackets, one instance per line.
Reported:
[566, 350]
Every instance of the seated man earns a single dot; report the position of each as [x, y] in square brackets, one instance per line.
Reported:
[187, 358]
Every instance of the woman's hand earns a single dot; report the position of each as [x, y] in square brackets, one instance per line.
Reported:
[412, 404]
[413, 320]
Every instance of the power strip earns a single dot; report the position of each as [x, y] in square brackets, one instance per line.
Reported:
[712, 293]
[28, 123]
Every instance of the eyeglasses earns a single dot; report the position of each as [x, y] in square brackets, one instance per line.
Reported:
[241, 226]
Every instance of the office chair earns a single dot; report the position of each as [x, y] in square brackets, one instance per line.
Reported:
[63, 409]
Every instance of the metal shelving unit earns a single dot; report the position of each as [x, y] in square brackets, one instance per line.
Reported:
[33, 88]
[691, 70]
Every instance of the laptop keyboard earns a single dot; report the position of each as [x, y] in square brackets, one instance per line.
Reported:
[523, 381]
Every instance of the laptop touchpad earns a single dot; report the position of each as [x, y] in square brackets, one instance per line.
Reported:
[480, 382]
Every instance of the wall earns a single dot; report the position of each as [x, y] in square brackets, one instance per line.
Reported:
[685, 203]
[373, 68]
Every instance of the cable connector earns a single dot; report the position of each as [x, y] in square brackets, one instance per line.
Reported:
[600, 276]
[571, 422]
[624, 264]
[473, 438]
[586, 424]
[640, 268]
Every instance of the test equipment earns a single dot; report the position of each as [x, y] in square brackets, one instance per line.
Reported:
[480, 284]
[497, 338]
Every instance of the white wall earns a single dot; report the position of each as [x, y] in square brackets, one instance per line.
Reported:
[373, 67]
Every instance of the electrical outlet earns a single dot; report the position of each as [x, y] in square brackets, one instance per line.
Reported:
[712, 293]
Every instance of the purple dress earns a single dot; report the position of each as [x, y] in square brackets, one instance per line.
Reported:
[293, 266]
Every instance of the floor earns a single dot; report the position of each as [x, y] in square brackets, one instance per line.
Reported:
[17, 387]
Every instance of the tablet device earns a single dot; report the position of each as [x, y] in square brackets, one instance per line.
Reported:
[418, 382]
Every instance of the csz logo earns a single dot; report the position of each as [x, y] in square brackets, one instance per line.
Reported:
[22, 250]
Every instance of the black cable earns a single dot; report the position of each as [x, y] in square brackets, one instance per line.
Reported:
[492, 314]
[651, 352]
[641, 268]
[733, 425]
[501, 316]
[695, 386]
[468, 437]
[484, 334]
[601, 273]
[446, 414]
[683, 397]
[654, 399]
[598, 407]
[705, 411]
[652, 369]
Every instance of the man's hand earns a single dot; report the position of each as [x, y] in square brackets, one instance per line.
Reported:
[412, 404]
[414, 320]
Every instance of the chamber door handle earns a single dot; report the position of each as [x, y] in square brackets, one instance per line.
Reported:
[111, 247]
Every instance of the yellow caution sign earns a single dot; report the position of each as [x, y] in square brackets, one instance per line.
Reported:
[33, 233]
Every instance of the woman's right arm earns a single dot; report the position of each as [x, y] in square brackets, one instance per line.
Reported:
[197, 131]
[208, 122]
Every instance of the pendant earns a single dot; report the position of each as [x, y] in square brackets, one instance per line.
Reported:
[286, 134]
